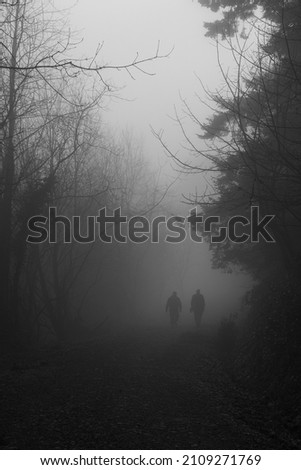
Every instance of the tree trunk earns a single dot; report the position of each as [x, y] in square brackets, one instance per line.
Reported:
[7, 195]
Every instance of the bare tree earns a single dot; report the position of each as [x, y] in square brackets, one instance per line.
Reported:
[38, 67]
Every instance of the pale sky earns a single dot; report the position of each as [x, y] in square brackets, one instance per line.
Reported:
[135, 26]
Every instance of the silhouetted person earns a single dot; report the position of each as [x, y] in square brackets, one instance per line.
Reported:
[174, 306]
[197, 307]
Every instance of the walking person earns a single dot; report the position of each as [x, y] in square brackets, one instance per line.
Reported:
[197, 307]
[174, 307]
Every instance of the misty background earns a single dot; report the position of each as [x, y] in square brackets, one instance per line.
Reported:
[144, 102]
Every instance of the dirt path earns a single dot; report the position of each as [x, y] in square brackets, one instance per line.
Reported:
[146, 391]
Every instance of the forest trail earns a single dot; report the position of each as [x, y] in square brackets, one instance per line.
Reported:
[152, 390]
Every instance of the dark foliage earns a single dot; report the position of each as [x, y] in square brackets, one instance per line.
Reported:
[257, 135]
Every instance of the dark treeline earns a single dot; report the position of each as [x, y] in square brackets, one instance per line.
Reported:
[254, 143]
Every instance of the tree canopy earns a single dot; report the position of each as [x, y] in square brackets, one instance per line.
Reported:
[255, 131]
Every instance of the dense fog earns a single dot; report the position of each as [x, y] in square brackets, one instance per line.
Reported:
[150, 225]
